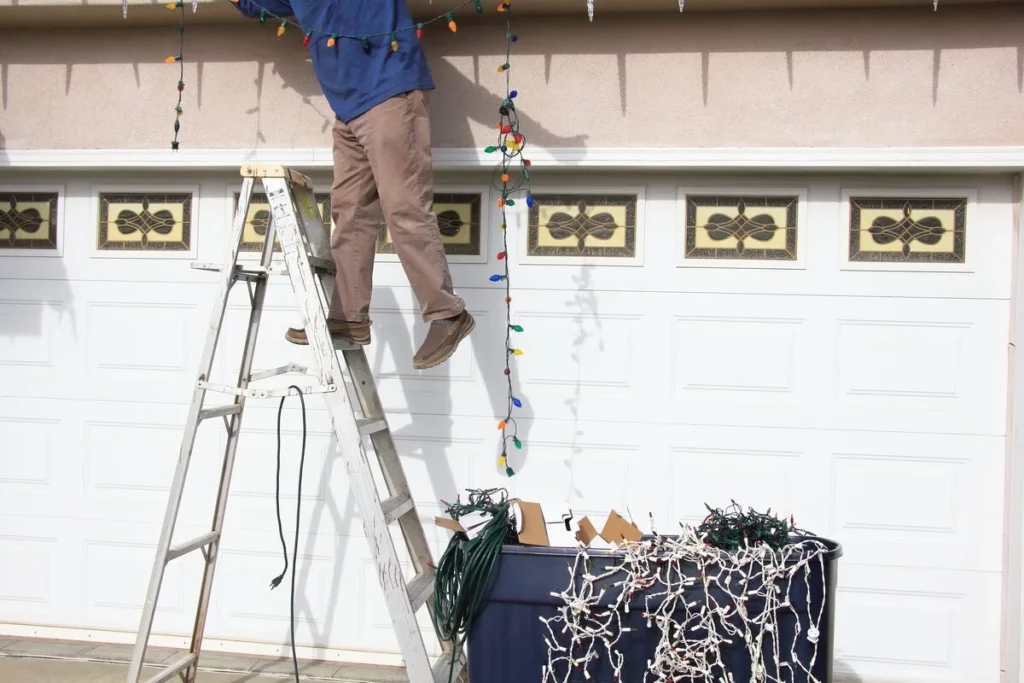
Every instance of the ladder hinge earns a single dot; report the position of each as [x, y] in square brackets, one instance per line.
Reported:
[266, 393]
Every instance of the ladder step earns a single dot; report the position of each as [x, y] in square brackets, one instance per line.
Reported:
[176, 667]
[322, 265]
[368, 426]
[396, 506]
[442, 669]
[189, 546]
[345, 345]
[220, 411]
[420, 589]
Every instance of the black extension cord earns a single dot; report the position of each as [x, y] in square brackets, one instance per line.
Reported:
[280, 528]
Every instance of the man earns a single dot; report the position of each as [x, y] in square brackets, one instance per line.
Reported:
[382, 160]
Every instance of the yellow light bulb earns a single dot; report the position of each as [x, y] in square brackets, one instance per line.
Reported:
[517, 352]
[280, 30]
[394, 46]
[502, 461]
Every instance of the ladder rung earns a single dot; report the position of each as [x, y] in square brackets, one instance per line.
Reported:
[396, 506]
[442, 668]
[177, 666]
[323, 265]
[189, 546]
[419, 589]
[220, 411]
[370, 426]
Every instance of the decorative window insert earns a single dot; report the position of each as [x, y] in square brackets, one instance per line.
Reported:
[28, 221]
[145, 222]
[736, 227]
[460, 219]
[741, 227]
[576, 226]
[907, 229]
[258, 218]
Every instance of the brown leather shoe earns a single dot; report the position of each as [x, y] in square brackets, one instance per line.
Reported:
[358, 333]
[442, 339]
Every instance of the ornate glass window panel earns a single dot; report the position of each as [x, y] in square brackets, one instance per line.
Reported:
[583, 226]
[150, 221]
[28, 220]
[742, 227]
[458, 219]
[258, 218]
[908, 230]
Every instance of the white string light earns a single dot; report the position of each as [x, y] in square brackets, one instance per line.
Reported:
[694, 625]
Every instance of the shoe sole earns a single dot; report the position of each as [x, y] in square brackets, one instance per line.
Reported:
[305, 342]
[451, 352]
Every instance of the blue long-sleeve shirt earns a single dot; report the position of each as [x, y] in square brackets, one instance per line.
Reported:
[355, 79]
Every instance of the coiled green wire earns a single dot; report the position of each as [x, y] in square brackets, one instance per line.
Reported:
[465, 569]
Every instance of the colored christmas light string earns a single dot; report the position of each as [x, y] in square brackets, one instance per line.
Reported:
[697, 596]
[180, 59]
[510, 143]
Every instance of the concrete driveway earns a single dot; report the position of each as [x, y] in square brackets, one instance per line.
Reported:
[49, 661]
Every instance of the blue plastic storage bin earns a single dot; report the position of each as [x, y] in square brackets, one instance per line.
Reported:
[506, 641]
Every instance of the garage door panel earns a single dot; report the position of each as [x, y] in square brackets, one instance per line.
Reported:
[808, 362]
[903, 624]
[869, 403]
[117, 559]
[30, 577]
[909, 500]
[918, 500]
[37, 337]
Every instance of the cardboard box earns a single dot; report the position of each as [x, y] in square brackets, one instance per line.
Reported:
[617, 530]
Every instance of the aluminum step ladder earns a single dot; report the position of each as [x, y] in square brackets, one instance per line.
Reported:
[356, 417]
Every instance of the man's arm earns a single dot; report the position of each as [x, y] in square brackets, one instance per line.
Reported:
[281, 8]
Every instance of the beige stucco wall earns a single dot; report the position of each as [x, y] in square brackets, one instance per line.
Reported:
[849, 78]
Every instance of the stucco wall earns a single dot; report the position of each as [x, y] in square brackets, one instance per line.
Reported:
[849, 78]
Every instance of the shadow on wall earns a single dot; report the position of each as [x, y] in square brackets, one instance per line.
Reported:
[427, 437]
[430, 413]
[40, 300]
[461, 100]
[456, 102]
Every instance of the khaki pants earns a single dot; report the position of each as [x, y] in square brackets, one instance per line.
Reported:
[382, 160]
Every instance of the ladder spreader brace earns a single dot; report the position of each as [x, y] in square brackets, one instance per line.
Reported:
[356, 414]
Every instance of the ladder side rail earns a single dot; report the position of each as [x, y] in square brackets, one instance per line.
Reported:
[340, 410]
[362, 389]
[189, 437]
[387, 453]
[234, 429]
[316, 234]
[395, 478]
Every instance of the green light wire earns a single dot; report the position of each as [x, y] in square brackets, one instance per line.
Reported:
[466, 568]
[267, 14]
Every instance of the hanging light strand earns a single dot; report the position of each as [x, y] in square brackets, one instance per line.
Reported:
[510, 143]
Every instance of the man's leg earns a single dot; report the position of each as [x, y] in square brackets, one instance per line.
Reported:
[396, 137]
[356, 211]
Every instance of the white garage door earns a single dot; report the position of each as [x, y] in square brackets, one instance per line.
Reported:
[857, 380]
